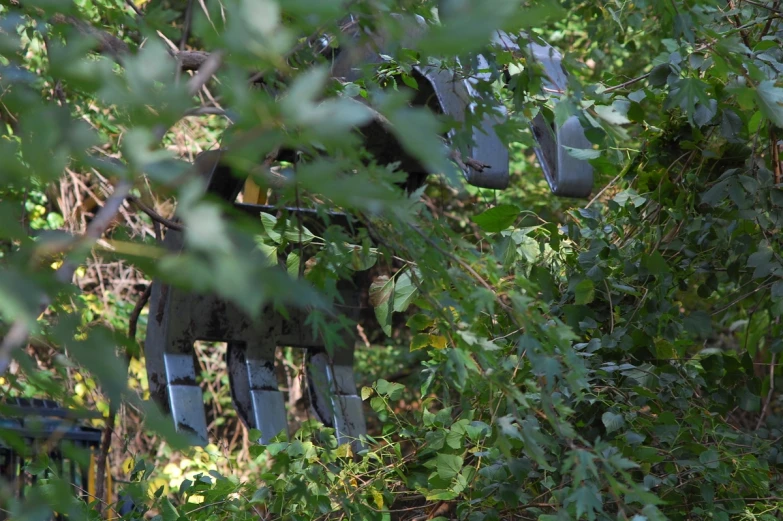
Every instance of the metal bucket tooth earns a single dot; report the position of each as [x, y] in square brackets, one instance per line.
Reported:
[254, 388]
[170, 363]
[333, 396]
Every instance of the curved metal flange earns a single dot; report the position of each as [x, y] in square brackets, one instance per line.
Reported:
[567, 176]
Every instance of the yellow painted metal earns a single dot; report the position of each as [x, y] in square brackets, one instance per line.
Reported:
[253, 194]
[91, 476]
[109, 511]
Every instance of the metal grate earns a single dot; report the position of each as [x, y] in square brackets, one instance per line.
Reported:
[30, 426]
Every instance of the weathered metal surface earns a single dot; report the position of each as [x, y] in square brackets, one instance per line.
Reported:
[567, 176]
[456, 97]
[179, 318]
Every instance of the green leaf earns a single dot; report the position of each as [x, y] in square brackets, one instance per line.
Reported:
[659, 75]
[362, 258]
[497, 218]
[378, 405]
[261, 495]
[19, 297]
[468, 26]
[292, 264]
[261, 15]
[269, 251]
[392, 390]
[710, 459]
[296, 234]
[584, 154]
[419, 133]
[419, 322]
[777, 290]
[404, 292]
[760, 257]
[612, 421]
[687, 92]
[269, 222]
[410, 81]
[749, 401]
[655, 263]
[587, 501]
[420, 341]
[448, 465]
[382, 299]
[770, 101]
[584, 292]
[454, 439]
[168, 512]
[698, 323]
[611, 114]
[629, 195]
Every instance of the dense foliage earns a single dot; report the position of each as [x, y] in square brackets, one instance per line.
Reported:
[556, 359]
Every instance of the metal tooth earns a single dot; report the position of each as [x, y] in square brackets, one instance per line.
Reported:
[456, 97]
[254, 388]
[334, 399]
[566, 175]
[187, 409]
[269, 414]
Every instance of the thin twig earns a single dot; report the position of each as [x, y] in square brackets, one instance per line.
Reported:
[741, 298]
[773, 8]
[605, 188]
[768, 25]
[117, 49]
[205, 72]
[206, 111]
[134, 317]
[156, 217]
[185, 35]
[738, 23]
[611, 307]
[464, 265]
[103, 456]
[769, 393]
[135, 8]
[627, 83]
[186, 28]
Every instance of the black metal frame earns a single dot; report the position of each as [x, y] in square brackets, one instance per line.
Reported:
[37, 422]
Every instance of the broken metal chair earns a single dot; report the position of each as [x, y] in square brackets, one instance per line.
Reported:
[177, 318]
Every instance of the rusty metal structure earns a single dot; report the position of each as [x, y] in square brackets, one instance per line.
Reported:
[177, 319]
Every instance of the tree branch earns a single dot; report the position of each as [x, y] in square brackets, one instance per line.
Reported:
[190, 60]
[155, 216]
[117, 49]
[207, 69]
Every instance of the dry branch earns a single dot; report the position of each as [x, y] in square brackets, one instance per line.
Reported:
[115, 47]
